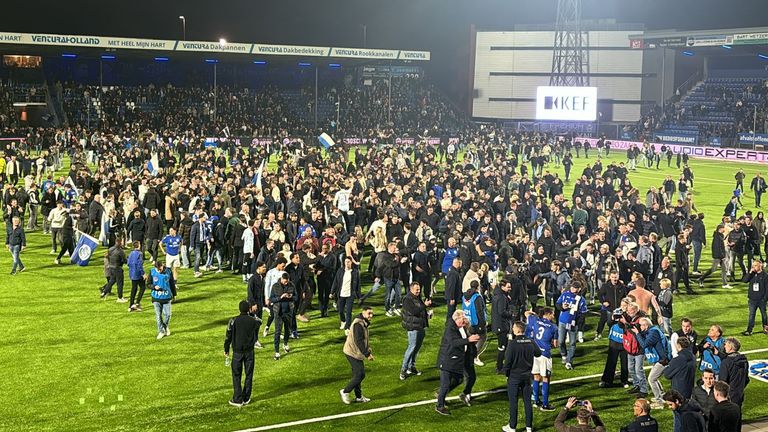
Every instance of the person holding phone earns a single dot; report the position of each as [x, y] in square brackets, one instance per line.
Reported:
[584, 414]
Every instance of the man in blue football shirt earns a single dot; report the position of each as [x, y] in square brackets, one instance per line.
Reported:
[544, 332]
[572, 305]
[170, 245]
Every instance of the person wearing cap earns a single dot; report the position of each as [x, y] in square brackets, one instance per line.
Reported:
[241, 336]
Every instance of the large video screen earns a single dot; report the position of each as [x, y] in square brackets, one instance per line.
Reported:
[566, 103]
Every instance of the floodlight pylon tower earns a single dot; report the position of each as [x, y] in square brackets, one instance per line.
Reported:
[570, 59]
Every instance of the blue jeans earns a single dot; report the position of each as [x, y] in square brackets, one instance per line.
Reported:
[635, 364]
[696, 254]
[561, 332]
[162, 316]
[415, 339]
[392, 296]
[16, 254]
[345, 310]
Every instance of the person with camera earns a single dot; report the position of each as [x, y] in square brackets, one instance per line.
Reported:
[584, 414]
[518, 364]
[456, 351]
[415, 321]
[656, 348]
[643, 421]
[616, 351]
[635, 357]
[242, 331]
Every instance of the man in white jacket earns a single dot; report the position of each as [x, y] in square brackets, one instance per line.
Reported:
[56, 217]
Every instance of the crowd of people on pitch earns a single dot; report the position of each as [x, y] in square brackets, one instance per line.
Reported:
[494, 230]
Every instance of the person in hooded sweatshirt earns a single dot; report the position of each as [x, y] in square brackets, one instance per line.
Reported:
[688, 415]
[681, 370]
[734, 370]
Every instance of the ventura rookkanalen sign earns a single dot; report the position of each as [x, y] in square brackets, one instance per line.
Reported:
[694, 151]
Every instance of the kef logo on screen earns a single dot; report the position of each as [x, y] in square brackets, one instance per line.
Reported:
[566, 103]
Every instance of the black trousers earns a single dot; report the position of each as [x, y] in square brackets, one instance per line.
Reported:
[306, 302]
[358, 375]
[448, 382]
[237, 259]
[115, 277]
[141, 285]
[517, 386]
[682, 274]
[242, 392]
[323, 293]
[604, 316]
[609, 373]
[502, 343]
[67, 245]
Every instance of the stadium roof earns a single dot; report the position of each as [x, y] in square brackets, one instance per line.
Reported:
[236, 48]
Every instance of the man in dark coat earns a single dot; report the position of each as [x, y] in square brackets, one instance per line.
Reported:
[453, 287]
[681, 370]
[725, 415]
[734, 370]
[454, 349]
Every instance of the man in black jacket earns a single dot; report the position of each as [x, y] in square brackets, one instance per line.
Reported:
[453, 287]
[241, 336]
[704, 394]
[415, 321]
[16, 241]
[116, 260]
[688, 415]
[734, 370]
[681, 370]
[454, 350]
[502, 313]
[725, 415]
[518, 363]
[643, 421]
[757, 294]
[281, 299]
[153, 229]
[610, 295]
[256, 297]
[718, 257]
[698, 239]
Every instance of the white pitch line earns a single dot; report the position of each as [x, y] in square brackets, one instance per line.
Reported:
[417, 403]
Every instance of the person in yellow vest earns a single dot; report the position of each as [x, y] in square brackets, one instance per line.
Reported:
[357, 349]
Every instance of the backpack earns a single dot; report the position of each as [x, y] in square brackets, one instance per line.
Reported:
[630, 343]
[652, 355]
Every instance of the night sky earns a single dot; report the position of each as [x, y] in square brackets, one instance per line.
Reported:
[440, 26]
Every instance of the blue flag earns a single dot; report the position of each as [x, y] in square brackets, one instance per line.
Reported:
[84, 250]
[326, 141]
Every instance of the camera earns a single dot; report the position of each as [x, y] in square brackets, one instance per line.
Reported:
[581, 403]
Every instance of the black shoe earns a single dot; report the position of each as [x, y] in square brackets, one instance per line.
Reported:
[442, 411]
[547, 408]
[603, 384]
[403, 376]
[413, 371]
[746, 333]
[634, 390]
[691, 292]
[464, 398]
[247, 402]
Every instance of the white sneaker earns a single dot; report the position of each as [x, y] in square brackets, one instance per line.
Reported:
[167, 331]
[277, 356]
[581, 337]
[198, 274]
[506, 428]
[563, 359]
[362, 399]
[219, 271]
[286, 348]
[478, 362]
[726, 286]
[397, 312]
[345, 397]
[341, 326]
[258, 345]
[52, 252]
[389, 313]
[160, 335]
[121, 300]
[568, 366]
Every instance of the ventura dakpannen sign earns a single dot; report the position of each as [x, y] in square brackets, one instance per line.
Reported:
[206, 46]
[566, 103]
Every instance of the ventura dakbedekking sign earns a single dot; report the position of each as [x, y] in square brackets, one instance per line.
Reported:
[207, 46]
